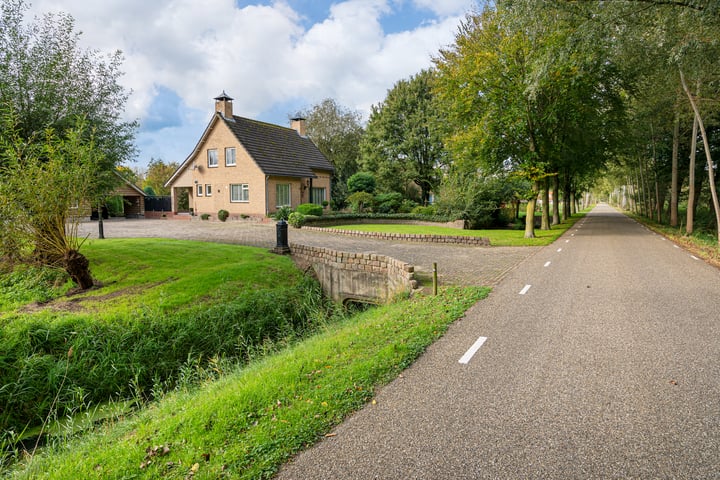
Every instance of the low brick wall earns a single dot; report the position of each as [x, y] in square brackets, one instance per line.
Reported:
[454, 239]
[356, 276]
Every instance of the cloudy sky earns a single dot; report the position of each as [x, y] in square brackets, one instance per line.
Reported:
[274, 57]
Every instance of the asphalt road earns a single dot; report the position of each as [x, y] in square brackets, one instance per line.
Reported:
[601, 360]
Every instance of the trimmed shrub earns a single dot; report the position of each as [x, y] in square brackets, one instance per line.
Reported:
[429, 210]
[388, 202]
[282, 213]
[296, 219]
[205, 216]
[310, 209]
[223, 215]
[361, 182]
[360, 201]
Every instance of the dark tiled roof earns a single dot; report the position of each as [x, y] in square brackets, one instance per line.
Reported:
[278, 150]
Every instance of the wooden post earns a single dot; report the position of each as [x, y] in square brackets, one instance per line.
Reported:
[435, 282]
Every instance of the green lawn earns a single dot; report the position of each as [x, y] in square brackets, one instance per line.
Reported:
[162, 274]
[499, 238]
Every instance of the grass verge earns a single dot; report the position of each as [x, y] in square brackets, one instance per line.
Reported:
[167, 309]
[701, 244]
[498, 238]
[248, 423]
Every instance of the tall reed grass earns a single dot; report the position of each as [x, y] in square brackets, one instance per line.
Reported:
[140, 355]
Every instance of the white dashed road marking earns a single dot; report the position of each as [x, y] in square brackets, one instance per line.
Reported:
[472, 350]
[525, 289]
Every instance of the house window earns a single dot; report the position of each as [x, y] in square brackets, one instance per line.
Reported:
[199, 190]
[230, 157]
[239, 192]
[212, 158]
[317, 195]
[208, 190]
[282, 191]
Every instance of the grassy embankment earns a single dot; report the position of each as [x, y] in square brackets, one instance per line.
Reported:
[166, 311]
[498, 238]
[218, 418]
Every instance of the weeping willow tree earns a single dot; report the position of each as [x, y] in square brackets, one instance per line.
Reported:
[43, 182]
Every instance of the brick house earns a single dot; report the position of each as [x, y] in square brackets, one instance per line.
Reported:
[249, 168]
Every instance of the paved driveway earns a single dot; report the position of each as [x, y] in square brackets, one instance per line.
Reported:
[457, 264]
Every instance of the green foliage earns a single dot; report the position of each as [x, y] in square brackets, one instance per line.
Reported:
[115, 206]
[296, 219]
[41, 182]
[271, 409]
[129, 342]
[50, 82]
[360, 201]
[402, 144]
[430, 210]
[336, 131]
[159, 172]
[205, 216]
[310, 209]
[223, 215]
[336, 218]
[361, 182]
[479, 200]
[26, 283]
[282, 213]
[497, 237]
[388, 202]
[149, 191]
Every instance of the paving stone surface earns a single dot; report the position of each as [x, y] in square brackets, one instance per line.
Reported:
[456, 264]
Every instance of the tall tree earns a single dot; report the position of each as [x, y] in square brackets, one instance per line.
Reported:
[51, 82]
[336, 131]
[403, 144]
[158, 172]
[523, 91]
[41, 181]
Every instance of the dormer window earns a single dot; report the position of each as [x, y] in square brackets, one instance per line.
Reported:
[212, 158]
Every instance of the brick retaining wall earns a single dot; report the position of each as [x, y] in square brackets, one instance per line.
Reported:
[454, 239]
[358, 276]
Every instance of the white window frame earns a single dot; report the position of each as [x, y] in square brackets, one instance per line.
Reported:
[199, 190]
[244, 192]
[229, 157]
[212, 158]
[277, 195]
[208, 190]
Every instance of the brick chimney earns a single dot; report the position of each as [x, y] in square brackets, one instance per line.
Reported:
[223, 104]
[298, 124]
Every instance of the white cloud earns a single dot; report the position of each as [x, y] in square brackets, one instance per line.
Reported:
[444, 8]
[262, 55]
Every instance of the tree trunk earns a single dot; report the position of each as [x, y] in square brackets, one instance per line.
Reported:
[545, 222]
[708, 157]
[78, 267]
[556, 200]
[674, 177]
[530, 213]
[692, 187]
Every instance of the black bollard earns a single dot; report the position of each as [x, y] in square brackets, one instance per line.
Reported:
[282, 246]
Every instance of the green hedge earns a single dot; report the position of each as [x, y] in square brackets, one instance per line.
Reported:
[310, 209]
[348, 217]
